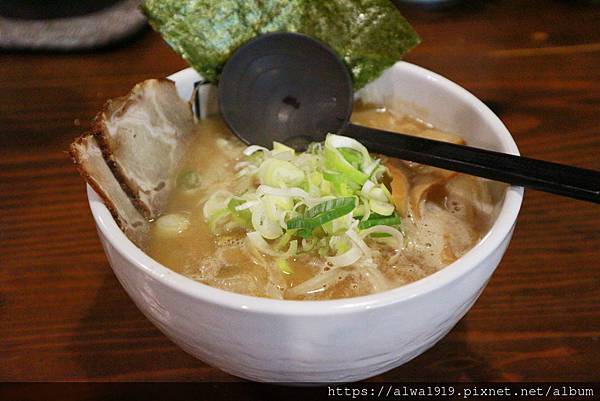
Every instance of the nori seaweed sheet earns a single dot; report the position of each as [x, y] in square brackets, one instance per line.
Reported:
[369, 35]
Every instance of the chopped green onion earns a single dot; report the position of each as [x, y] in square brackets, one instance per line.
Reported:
[308, 244]
[326, 188]
[352, 156]
[284, 266]
[378, 172]
[334, 160]
[344, 142]
[314, 181]
[280, 174]
[380, 235]
[378, 220]
[342, 189]
[304, 233]
[376, 231]
[342, 186]
[244, 216]
[280, 147]
[382, 208]
[188, 180]
[256, 158]
[340, 204]
[172, 224]
[334, 176]
[321, 214]
[283, 240]
[341, 245]
[218, 215]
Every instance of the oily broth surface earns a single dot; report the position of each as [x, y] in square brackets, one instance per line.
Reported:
[440, 225]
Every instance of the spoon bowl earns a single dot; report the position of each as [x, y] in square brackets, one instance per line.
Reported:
[285, 87]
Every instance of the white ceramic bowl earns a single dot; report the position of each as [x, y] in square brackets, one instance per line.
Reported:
[326, 341]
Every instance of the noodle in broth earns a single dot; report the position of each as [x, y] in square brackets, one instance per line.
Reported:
[444, 214]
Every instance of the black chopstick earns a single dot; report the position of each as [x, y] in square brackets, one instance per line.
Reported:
[544, 176]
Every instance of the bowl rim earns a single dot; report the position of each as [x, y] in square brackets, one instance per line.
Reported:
[484, 248]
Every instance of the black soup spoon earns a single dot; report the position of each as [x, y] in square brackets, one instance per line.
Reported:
[291, 88]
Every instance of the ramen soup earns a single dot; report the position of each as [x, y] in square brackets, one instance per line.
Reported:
[331, 222]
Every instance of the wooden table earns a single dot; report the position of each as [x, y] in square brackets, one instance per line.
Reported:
[64, 316]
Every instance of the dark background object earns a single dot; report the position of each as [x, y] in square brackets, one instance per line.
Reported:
[51, 9]
[66, 25]
[429, 4]
[291, 83]
[64, 316]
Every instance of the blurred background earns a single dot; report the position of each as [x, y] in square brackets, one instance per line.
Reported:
[535, 63]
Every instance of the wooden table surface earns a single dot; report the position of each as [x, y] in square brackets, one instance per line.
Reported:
[64, 316]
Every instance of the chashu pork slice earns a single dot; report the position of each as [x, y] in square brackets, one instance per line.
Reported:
[143, 137]
[87, 155]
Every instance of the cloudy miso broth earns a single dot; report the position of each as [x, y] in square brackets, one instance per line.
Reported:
[441, 216]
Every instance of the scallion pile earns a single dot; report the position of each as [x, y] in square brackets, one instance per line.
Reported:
[326, 201]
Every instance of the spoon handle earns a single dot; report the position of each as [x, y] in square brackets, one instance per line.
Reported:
[545, 176]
